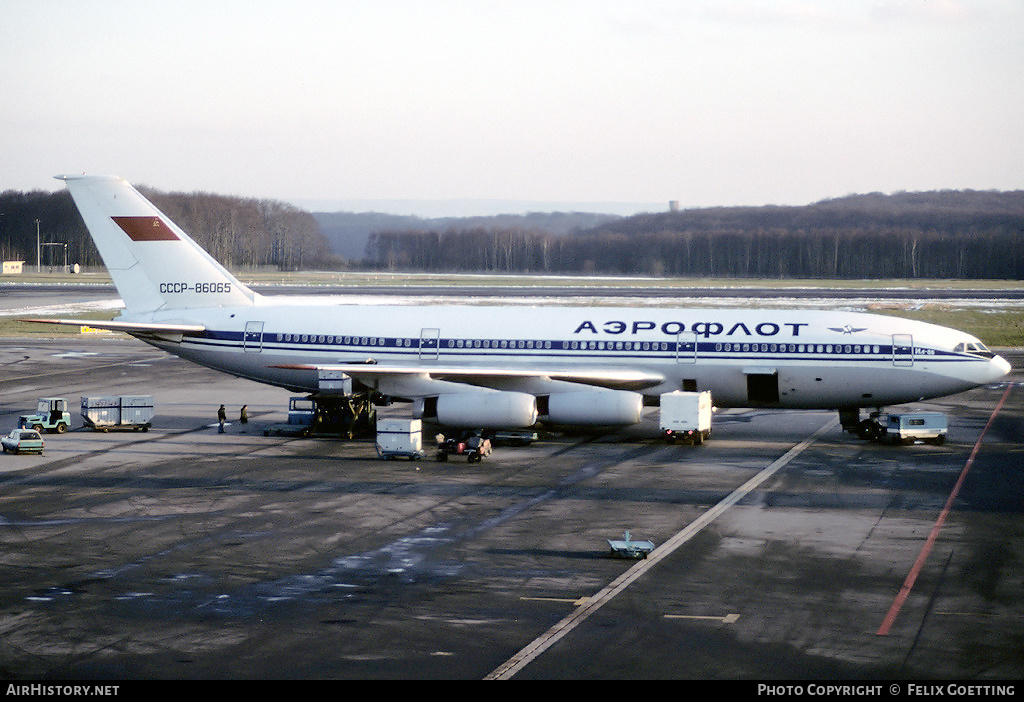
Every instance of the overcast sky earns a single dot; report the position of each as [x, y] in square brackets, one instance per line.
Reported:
[708, 102]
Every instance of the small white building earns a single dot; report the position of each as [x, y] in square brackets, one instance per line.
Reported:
[13, 267]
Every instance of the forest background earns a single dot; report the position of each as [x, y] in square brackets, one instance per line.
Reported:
[964, 234]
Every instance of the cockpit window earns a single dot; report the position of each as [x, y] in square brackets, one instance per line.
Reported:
[974, 347]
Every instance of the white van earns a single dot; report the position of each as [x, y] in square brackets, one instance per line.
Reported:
[908, 427]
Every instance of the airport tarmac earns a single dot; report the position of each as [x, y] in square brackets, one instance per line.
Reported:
[786, 550]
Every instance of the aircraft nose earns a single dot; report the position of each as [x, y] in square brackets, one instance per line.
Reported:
[1000, 367]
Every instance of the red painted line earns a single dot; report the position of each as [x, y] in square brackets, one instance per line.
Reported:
[908, 584]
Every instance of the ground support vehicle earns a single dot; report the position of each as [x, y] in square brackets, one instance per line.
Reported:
[400, 438]
[686, 417]
[23, 441]
[301, 412]
[114, 412]
[512, 438]
[908, 427]
[346, 416]
[626, 547]
[51, 415]
[473, 446]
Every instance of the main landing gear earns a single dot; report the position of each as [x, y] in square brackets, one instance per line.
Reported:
[348, 416]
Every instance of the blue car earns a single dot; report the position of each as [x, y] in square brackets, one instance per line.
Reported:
[23, 441]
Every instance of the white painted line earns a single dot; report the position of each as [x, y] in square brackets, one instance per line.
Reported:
[727, 619]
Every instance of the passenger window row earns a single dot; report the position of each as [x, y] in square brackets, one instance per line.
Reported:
[531, 344]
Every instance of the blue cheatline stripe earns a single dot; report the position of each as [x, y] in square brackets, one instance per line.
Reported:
[759, 351]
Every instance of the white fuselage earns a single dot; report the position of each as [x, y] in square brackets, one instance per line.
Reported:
[773, 358]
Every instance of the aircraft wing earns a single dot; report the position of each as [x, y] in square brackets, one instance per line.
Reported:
[614, 378]
[169, 332]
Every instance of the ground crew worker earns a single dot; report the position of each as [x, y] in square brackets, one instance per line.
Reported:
[222, 416]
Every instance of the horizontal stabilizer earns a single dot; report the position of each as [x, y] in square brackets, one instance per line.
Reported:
[171, 332]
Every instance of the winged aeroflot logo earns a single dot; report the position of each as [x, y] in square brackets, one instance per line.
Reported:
[146, 228]
[847, 329]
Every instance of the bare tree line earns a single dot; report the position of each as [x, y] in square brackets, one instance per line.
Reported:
[237, 232]
[956, 234]
[948, 234]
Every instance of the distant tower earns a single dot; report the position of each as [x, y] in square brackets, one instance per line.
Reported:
[673, 205]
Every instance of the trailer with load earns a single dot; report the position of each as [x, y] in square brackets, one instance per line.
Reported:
[117, 412]
[686, 416]
[471, 445]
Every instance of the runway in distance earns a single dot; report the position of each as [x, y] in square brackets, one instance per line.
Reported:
[474, 366]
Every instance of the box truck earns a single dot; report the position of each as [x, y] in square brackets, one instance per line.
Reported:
[686, 417]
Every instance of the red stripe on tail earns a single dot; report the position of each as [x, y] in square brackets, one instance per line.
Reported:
[145, 228]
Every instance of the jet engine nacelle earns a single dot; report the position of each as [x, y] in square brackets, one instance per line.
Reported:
[480, 409]
[595, 407]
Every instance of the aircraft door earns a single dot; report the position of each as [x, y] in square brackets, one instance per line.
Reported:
[686, 347]
[762, 387]
[430, 344]
[902, 350]
[252, 339]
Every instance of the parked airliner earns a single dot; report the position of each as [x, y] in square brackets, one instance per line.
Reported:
[510, 366]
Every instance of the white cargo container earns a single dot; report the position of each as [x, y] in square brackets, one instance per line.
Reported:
[118, 412]
[400, 437]
[686, 416]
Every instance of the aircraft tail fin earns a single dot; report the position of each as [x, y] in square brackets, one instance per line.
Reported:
[154, 264]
